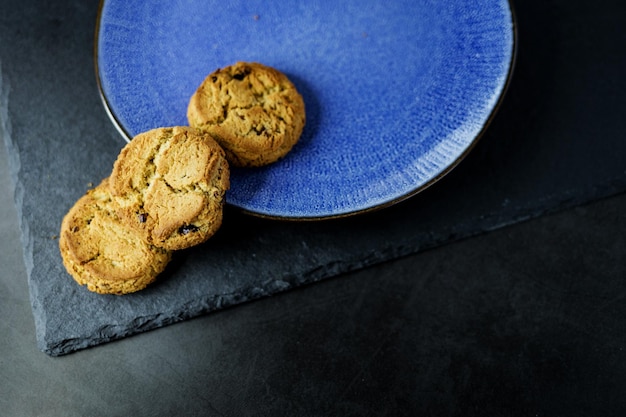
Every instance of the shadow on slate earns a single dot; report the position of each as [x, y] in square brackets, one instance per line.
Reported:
[556, 142]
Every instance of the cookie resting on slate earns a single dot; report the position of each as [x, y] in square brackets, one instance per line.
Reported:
[170, 184]
[104, 254]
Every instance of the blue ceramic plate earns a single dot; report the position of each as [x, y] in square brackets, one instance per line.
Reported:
[396, 92]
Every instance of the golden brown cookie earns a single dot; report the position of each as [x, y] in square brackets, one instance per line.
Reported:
[104, 254]
[253, 111]
[169, 184]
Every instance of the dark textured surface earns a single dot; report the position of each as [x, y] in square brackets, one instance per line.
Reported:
[556, 142]
[527, 320]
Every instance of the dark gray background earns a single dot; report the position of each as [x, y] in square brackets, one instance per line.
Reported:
[525, 320]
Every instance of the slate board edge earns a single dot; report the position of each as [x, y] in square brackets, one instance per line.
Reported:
[205, 305]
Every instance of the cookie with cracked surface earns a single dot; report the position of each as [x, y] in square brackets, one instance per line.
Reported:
[101, 252]
[253, 111]
[170, 184]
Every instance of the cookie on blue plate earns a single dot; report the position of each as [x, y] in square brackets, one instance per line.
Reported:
[253, 111]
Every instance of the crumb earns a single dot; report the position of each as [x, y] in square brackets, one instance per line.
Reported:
[256, 17]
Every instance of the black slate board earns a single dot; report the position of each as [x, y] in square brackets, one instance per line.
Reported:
[557, 141]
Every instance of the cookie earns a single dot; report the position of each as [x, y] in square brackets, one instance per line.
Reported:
[101, 252]
[253, 111]
[170, 184]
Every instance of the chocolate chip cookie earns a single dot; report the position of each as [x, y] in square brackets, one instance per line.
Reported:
[170, 184]
[253, 111]
[103, 253]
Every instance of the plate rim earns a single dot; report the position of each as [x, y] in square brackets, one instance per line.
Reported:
[374, 208]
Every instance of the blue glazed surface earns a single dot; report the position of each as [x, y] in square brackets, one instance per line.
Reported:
[396, 92]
